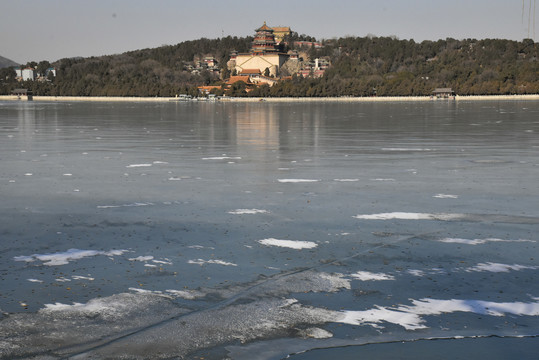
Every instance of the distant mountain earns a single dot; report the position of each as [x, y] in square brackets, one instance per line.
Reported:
[5, 62]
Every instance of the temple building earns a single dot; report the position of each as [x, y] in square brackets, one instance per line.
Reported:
[281, 32]
[264, 54]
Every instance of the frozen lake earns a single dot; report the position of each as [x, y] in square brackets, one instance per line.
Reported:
[262, 230]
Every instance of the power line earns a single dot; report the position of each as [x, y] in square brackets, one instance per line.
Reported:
[529, 17]
[534, 20]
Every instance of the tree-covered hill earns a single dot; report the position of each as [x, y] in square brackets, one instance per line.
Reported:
[360, 66]
[402, 67]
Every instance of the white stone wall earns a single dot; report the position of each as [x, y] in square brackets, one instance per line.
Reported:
[261, 62]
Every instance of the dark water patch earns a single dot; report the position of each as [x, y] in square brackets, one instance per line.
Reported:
[487, 348]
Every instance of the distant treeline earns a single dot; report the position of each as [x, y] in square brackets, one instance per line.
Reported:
[360, 66]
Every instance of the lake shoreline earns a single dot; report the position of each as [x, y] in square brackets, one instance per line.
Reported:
[274, 99]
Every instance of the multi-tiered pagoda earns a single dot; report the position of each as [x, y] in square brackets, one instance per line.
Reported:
[264, 41]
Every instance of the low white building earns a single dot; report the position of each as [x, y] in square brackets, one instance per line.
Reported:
[28, 74]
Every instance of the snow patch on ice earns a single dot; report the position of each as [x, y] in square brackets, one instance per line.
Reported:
[79, 277]
[346, 180]
[248, 211]
[497, 267]
[416, 272]
[445, 196]
[63, 258]
[162, 262]
[315, 333]
[141, 258]
[406, 149]
[124, 205]
[293, 244]
[138, 165]
[409, 316]
[379, 314]
[411, 216]
[296, 180]
[218, 262]
[186, 294]
[366, 276]
[222, 158]
[479, 241]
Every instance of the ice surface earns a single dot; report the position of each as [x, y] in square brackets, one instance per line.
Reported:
[440, 221]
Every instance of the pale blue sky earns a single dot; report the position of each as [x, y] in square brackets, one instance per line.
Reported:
[49, 30]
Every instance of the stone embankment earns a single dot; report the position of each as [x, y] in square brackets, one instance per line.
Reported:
[296, 99]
